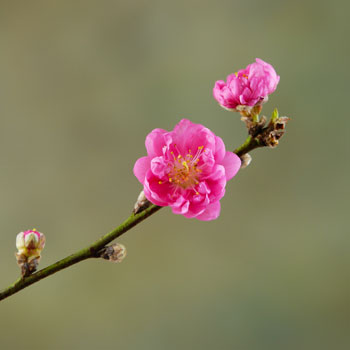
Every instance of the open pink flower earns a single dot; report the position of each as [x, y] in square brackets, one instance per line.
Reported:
[248, 86]
[186, 169]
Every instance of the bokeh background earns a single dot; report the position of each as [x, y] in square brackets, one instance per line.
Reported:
[82, 83]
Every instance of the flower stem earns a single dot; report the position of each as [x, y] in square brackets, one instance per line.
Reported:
[89, 252]
[92, 251]
[249, 144]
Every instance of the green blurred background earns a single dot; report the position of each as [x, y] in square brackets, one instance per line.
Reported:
[82, 83]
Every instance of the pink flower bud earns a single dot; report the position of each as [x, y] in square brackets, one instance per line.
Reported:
[247, 87]
[30, 243]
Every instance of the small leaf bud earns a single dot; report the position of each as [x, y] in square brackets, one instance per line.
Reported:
[114, 253]
[246, 159]
[141, 204]
[275, 130]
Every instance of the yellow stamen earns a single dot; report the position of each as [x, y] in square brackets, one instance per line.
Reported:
[185, 165]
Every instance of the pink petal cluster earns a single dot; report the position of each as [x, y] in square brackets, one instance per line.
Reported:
[248, 86]
[186, 169]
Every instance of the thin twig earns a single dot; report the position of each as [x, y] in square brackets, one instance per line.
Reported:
[249, 144]
[83, 254]
[92, 251]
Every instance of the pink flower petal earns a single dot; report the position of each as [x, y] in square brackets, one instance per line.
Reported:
[189, 136]
[216, 181]
[180, 206]
[156, 192]
[159, 167]
[141, 167]
[211, 212]
[155, 141]
[220, 149]
[232, 164]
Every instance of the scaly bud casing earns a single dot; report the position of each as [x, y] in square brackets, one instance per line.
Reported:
[114, 253]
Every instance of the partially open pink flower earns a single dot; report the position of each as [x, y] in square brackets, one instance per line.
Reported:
[186, 169]
[30, 243]
[248, 86]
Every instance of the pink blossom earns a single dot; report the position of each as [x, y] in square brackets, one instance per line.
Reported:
[30, 242]
[248, 86]
[186, 169]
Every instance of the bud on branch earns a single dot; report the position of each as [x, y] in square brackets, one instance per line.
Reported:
[29, 244]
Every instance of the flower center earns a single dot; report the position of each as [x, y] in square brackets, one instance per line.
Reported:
[184, 171]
